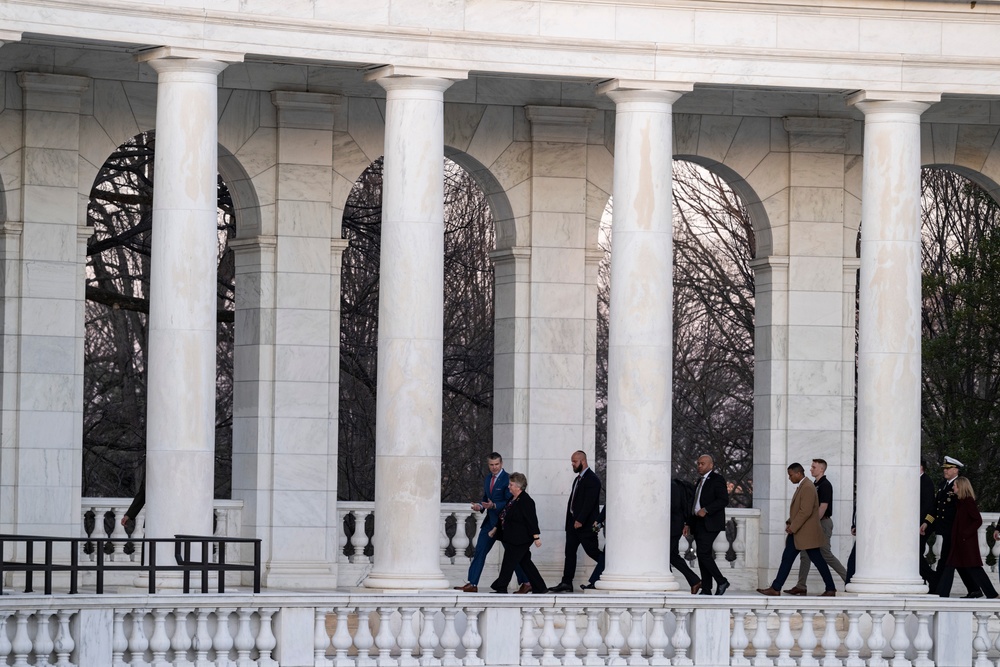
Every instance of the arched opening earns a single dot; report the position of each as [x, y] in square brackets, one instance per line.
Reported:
[960, 325]
[116, 310]
[713, 328]
[467, 428]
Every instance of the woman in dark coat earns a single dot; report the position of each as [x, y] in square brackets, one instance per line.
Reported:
[518, 529]
[965, 543]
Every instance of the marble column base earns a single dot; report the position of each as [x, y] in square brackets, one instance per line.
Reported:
[612, 582]
[866, 586]
[406, 582]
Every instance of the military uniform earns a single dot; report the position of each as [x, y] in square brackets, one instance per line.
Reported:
[941, 523]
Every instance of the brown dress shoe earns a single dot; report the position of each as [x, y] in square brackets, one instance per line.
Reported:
[468, 588]
[696, 588]
[770, 592]
[796, 590]
[828, 594]
[525, 588]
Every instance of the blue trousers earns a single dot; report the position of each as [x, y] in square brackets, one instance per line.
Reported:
[788, 557]
[483, 546]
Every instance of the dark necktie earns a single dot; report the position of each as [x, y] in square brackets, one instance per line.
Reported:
[572, 494]
[697, 494]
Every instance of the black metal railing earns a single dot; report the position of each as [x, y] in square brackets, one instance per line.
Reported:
[182, 561]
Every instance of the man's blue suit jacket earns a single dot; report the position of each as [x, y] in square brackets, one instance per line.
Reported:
[501, 494]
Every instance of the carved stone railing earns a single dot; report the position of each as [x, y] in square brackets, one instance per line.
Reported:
[101, 517]
[736, 548]
[446, 630]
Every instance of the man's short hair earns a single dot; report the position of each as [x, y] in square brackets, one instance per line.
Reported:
[797, 467]
[821, 462]
[494, 456]
[707, 456]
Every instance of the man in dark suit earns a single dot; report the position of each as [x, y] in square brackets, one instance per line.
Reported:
[708, 519]
[679, 508]
[496, 495]
[582, 512]
[926, 512]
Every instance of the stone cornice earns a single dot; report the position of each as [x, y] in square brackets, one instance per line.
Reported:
[319, 40]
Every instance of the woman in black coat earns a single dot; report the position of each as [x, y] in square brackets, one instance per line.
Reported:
[518, 529]
[964, 553]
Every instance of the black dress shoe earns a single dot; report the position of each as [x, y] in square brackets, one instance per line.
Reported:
[722, 588]
[973, 595]
[705, 591]
[562, 587]
[498, 592]
[587, 587]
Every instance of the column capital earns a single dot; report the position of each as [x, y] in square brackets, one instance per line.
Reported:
[305, 110]
[565, 124]
[403, 76]
[287, 99]
[253, 243]
[11, 228]
[52, 92]
[812, 134]
[339, 245]
[168, 53]
[511, 254]
[769, 263]
[593, 255]
[635, 90]
[881, 101]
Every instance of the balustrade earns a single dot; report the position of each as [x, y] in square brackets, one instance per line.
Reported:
[101, 518]
[439, 630]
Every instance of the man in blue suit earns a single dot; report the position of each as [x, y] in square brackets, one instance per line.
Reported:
[495, 497]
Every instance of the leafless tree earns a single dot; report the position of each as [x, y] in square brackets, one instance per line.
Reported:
[116, 309]
[467, 384]
[960, 393]
[713, 329]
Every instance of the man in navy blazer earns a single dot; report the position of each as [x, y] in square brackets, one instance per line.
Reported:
[496, 494]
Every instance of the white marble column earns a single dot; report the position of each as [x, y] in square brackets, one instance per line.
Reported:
[180, 411]
[640, 361]
[410, 333]
[889, 345]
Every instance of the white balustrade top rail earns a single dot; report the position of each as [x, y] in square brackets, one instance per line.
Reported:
[452, 630]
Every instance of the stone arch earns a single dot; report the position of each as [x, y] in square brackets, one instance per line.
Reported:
[972, 151]
[739, 149]
[246, 204]
[757, 209]
[125, 111]
[481, 139]
[496, 197]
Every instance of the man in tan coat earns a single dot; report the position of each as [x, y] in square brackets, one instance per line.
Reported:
[804, 533]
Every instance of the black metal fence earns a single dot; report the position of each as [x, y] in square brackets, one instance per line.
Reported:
[182, 561]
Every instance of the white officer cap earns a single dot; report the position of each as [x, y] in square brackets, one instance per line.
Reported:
[949, 462]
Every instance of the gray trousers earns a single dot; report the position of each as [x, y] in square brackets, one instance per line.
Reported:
[831, 560]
